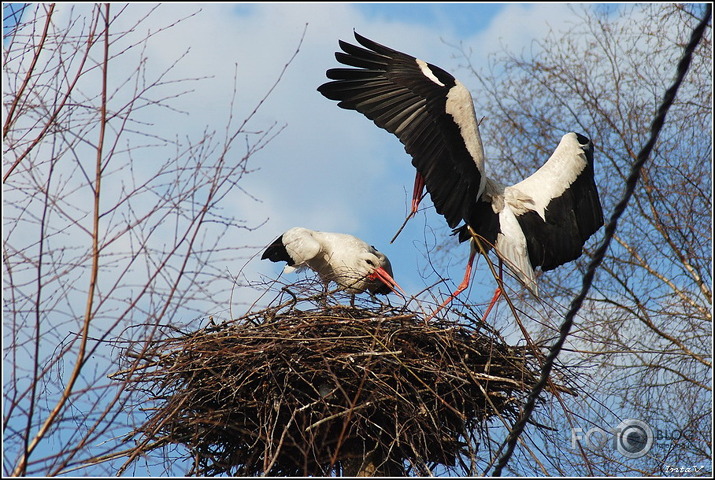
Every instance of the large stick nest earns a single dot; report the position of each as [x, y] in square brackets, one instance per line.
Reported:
[329, 390]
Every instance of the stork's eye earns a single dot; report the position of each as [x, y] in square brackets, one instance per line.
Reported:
[371, 263]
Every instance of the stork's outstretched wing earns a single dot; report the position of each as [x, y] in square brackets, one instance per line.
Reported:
[430, 112]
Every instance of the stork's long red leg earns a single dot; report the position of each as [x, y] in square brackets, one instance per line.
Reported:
[462, 286]
[497, 294]
[465, 283]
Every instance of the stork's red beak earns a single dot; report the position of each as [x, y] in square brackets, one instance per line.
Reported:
[387, 279]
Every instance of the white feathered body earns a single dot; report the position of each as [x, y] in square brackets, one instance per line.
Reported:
[335, 257]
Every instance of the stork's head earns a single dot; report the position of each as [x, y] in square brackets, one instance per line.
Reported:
[379, 272]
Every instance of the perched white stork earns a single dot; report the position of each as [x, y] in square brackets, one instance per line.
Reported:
[542, 221]
[344, 259]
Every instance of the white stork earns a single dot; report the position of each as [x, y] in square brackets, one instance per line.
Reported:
[336, 257]
[542, 221]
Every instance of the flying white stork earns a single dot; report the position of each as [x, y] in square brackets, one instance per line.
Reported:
[542, 221]
[344, 259]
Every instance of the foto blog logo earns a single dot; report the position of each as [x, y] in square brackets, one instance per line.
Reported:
[631, 438]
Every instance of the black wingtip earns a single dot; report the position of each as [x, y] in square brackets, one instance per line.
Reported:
[586, 145]
[373, 46]
[582, 139]
[344, 46]
[276, 252]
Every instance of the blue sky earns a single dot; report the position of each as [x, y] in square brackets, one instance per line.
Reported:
[460, 19]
